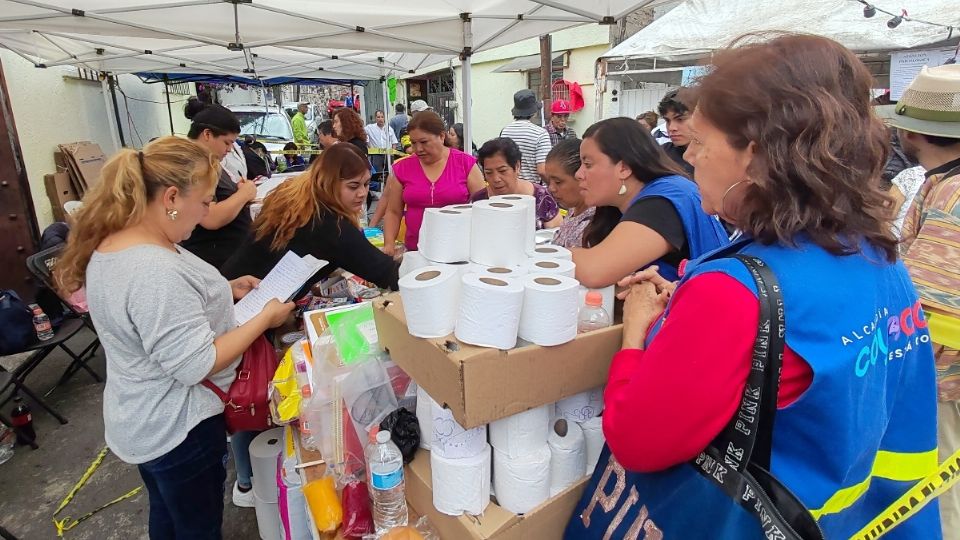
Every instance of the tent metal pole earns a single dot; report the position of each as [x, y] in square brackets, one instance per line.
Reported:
[465, 78]
[111, 118]
[166, 90]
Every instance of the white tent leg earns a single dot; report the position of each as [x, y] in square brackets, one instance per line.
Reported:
[467, 90]
[386, 111]
[108, 106]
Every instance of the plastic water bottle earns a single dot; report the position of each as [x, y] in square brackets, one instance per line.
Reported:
[41, 323]
[592, 315]
[385, 468]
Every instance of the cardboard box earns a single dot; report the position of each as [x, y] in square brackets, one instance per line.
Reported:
[479, 384]
[546, 522]
[59, 191]
[85, 160]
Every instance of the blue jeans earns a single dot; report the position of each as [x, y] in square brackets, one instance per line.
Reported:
[185, 485]
[240, 444]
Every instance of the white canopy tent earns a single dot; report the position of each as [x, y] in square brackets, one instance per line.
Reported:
[359, 39]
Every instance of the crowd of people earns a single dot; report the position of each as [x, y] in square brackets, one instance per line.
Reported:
[770, 155]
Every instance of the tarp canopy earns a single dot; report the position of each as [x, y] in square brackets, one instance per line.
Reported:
[697, 27]
[175, 78]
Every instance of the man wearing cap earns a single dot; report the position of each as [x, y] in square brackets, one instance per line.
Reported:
[533, 140]
[299, 124]
[927, 118]
[557, 128]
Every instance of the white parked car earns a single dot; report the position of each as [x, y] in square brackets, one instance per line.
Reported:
[269, 123]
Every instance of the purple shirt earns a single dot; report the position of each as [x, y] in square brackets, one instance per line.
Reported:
[547, 207]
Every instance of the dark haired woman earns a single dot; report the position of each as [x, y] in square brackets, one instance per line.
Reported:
[455, 139]
[562, 164]
[225, 227]
[791, 153]
[500, 162]
[662, 222]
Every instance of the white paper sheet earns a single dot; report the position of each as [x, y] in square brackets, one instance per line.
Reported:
[286, 278]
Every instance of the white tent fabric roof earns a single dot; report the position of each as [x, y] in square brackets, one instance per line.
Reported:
[697, 27]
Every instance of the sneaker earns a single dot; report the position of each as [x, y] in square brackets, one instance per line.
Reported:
[243, 499]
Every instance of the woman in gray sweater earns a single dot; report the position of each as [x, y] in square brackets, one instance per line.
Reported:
[165, 319]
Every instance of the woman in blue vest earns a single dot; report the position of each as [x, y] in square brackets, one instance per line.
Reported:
[785, 146]
[652, 212]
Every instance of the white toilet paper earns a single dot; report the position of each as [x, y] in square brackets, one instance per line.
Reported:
[461, 268]
[461, 485]
[430, 297]
[489, 314]
[559, 267]
[460, 207]
[568, 456]
[522, 483]
[425, 417]
[529, 202]
[450, 440]
[445, 235]
[514, 272]
[608, 294]
[412, 260]
[521, 433]
[550, 309]
[581, 407]
[551, 252]
[264, 449]
[497, 233]
[593, 433]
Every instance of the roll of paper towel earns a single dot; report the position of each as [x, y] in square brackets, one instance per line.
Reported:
[608, 294]
[461, 485]
[412, 260]
[445, 235]
[489, 313]
[497, 233]
[593, 433]
[559, 267]
[529, 202]
[264, 449]
[450, 440]
[581, 407]
[430, 297]
[521, 433]
[550, 308]
[568, 455]
[425, 417]
[513, 272]
[522, 483]
[551, 252]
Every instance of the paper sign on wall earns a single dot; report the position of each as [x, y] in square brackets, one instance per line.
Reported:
[906, 65]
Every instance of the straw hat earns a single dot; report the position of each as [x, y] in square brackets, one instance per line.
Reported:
[930, 105]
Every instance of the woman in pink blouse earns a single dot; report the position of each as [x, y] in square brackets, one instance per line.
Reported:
[435, 176]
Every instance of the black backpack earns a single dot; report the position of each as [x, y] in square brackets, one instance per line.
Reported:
[16, 323]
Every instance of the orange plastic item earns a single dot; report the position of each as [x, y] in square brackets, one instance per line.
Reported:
[324, 504]
[402, 533]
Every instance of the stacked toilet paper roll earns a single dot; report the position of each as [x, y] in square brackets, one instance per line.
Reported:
[551, 252]
[608, 294]
[529, 202]
[522, 483]
[461, 268]
[559, 267]
[450, 439]
[264, 449]
[498, 233]
[568, 455]
[593, 433]
[430, 297]
[581, 407]
[425, 405]
[550, 308]
[500, 272]
[466, 207]
[461, 485]
[412, 260]
[521, 433]
[489, 312]
[445, 235]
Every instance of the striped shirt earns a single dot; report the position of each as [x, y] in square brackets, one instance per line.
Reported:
[534, 143]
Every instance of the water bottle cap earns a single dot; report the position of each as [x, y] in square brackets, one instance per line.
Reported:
[383, 436]
[594, 298]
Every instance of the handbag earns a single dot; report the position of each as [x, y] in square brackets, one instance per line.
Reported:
[246, 403]
[727, 492]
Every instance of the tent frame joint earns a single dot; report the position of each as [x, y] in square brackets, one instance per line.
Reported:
[608, 21]
[232, 46]
[464, 17]
[78, 12]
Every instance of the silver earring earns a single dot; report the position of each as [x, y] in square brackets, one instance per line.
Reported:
[623, 188]
[172, 214]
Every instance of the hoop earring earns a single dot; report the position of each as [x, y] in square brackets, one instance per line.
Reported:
[172, 214]
[723, 200]
[623, 188]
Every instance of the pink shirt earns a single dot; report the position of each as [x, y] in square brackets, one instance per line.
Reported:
[419, 193]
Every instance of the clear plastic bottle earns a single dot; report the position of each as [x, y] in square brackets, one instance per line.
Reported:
[592, 315]
[41, 323]
[385, 469]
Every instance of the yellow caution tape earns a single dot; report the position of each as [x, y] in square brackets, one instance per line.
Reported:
[67, 523]
[370, 152]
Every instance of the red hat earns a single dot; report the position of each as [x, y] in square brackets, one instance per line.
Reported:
[560, 106]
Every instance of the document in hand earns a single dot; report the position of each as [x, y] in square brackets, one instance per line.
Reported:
[286, 278]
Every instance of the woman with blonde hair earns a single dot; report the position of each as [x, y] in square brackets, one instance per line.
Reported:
[165, 319]
[317, 213]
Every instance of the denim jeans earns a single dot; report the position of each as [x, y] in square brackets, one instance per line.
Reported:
[240, 444]
[185, 485]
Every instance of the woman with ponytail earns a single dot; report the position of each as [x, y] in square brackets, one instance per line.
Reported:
[165, 319]
[318, 213]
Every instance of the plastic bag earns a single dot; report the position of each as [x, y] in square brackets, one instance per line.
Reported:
[423, 530]
[404, 431]
[368, 395]
[357, 512]
[324, 503]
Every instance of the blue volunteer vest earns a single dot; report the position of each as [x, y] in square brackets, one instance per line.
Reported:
[703, 232]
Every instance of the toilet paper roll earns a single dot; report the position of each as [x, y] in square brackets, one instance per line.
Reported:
[550, 308]
[445, 235]
[264, 449]
[551, 252]
[513, 272]
[522, 483]
[461, 268]
[568, 455]
[593, 433]
[529, 203]
[430, 300]
[467, 207]
[461, 485]
[581, 407]
[268, 519]
[558, 267]
[489, 314]
[412, 260]
[608, 294]
[497, 233]
[521, 433]
[450, 440]
[425, 417]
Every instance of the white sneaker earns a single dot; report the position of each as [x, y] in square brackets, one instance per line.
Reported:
[241, 499]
